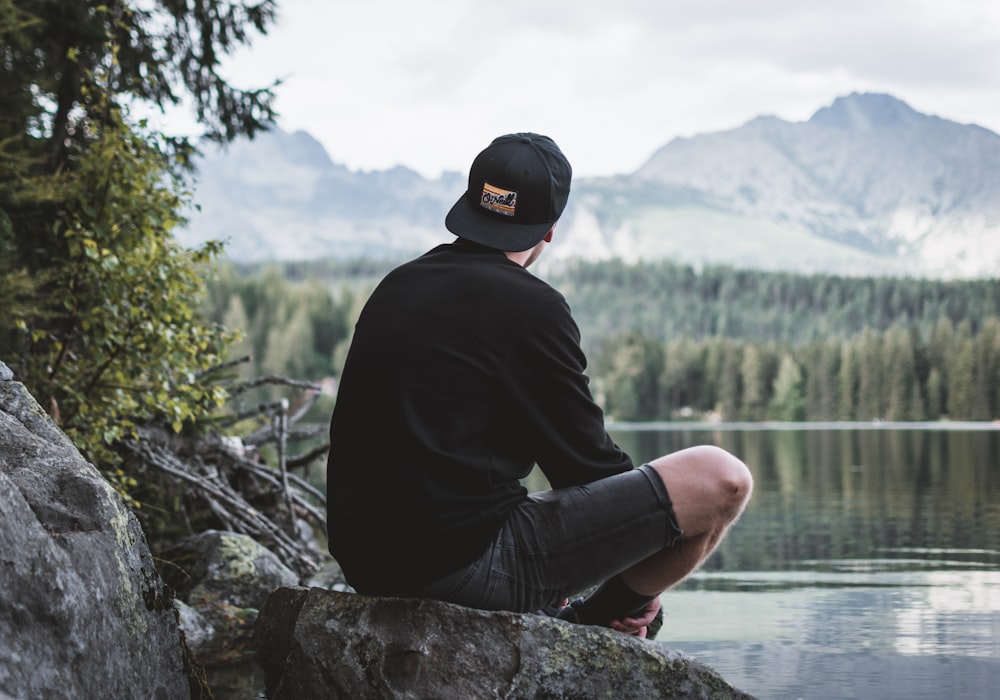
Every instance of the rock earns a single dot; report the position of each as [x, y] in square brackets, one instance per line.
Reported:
[223, 578]
[329, 576]
[219, 566]
[318, 644]
[83, 613]
[198, 632]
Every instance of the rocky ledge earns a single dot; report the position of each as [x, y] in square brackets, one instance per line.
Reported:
[317, 643]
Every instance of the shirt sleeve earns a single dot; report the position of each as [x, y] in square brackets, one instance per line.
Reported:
[564, 424]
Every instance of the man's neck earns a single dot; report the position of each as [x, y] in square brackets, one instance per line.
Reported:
[521, 257]
[525, 257]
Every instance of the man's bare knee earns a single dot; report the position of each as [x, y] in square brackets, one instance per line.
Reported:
[735, 480]
[709, 487]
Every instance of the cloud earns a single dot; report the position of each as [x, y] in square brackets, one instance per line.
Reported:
[429, 84]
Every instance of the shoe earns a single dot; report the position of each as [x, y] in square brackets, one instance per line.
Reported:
[549, 610]
[653, 628]
[569, 613]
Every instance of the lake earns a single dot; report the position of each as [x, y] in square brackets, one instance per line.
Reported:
[867, 564]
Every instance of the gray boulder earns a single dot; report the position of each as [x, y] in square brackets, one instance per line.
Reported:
[228, 567]
[83, 613]
[222, 579]
[318, 644]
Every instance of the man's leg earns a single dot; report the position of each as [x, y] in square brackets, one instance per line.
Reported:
[709, 489]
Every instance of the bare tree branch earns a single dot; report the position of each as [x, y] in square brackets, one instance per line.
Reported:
[272, 379]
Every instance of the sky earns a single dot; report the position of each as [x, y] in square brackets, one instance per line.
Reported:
[428, 84]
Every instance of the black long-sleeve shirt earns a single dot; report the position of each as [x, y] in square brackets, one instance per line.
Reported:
[465, 370]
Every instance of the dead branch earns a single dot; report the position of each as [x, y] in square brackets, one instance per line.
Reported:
[309, 457]
[212, 484]
[235, 489]
[224, 366]
[272, 379]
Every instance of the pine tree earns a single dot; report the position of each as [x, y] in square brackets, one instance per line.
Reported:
[847, 382]
[787, 402]
[962, 376]
[935, 395]
[683, 375]
[940, 354]
[752, 381]
[899, 373]
[631, 367]
[729, 381]
[870, 387]
[988, 364]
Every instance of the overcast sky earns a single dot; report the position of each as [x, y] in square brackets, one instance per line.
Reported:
[429, 84]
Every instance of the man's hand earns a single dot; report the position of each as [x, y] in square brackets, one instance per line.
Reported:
[636, 626]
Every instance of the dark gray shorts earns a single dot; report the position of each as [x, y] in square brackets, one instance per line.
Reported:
[560, 543]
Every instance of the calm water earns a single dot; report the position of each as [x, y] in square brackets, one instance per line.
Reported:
[867, 564]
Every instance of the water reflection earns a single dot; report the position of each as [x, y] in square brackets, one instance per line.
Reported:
[867, 565]
[829, 494]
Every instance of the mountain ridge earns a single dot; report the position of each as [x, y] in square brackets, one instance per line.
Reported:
[867, 185]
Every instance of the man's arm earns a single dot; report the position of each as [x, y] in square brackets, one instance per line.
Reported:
[552, 392]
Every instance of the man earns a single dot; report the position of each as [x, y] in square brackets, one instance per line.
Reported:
[466, 370]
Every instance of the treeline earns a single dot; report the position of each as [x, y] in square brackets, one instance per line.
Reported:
[896, 375]
[666, 301]
[668, 342]
[296, 328]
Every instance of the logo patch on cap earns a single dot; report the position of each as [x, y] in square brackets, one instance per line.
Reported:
[498, 200]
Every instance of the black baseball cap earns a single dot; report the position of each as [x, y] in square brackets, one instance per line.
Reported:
[518, 188]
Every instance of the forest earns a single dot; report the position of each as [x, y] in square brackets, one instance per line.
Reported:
[668, 342]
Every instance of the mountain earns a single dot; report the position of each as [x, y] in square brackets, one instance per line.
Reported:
[280, 197]
[866, 186]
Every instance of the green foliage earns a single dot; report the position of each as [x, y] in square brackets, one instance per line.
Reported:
[297, 329]
[114, 337]
[872, 376]
[64, 62]
[747, 345]
[786, 402]
[630, 371]
[753, 381]
[822, 388]
[665, 301]
[101, 306]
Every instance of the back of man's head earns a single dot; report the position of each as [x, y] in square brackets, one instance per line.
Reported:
[518, 188]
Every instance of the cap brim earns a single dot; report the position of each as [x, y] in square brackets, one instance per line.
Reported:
[471, 222]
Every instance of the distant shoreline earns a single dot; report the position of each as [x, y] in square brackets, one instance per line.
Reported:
[640, 426]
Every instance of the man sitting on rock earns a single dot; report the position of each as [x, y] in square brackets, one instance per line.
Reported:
[464, 372]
